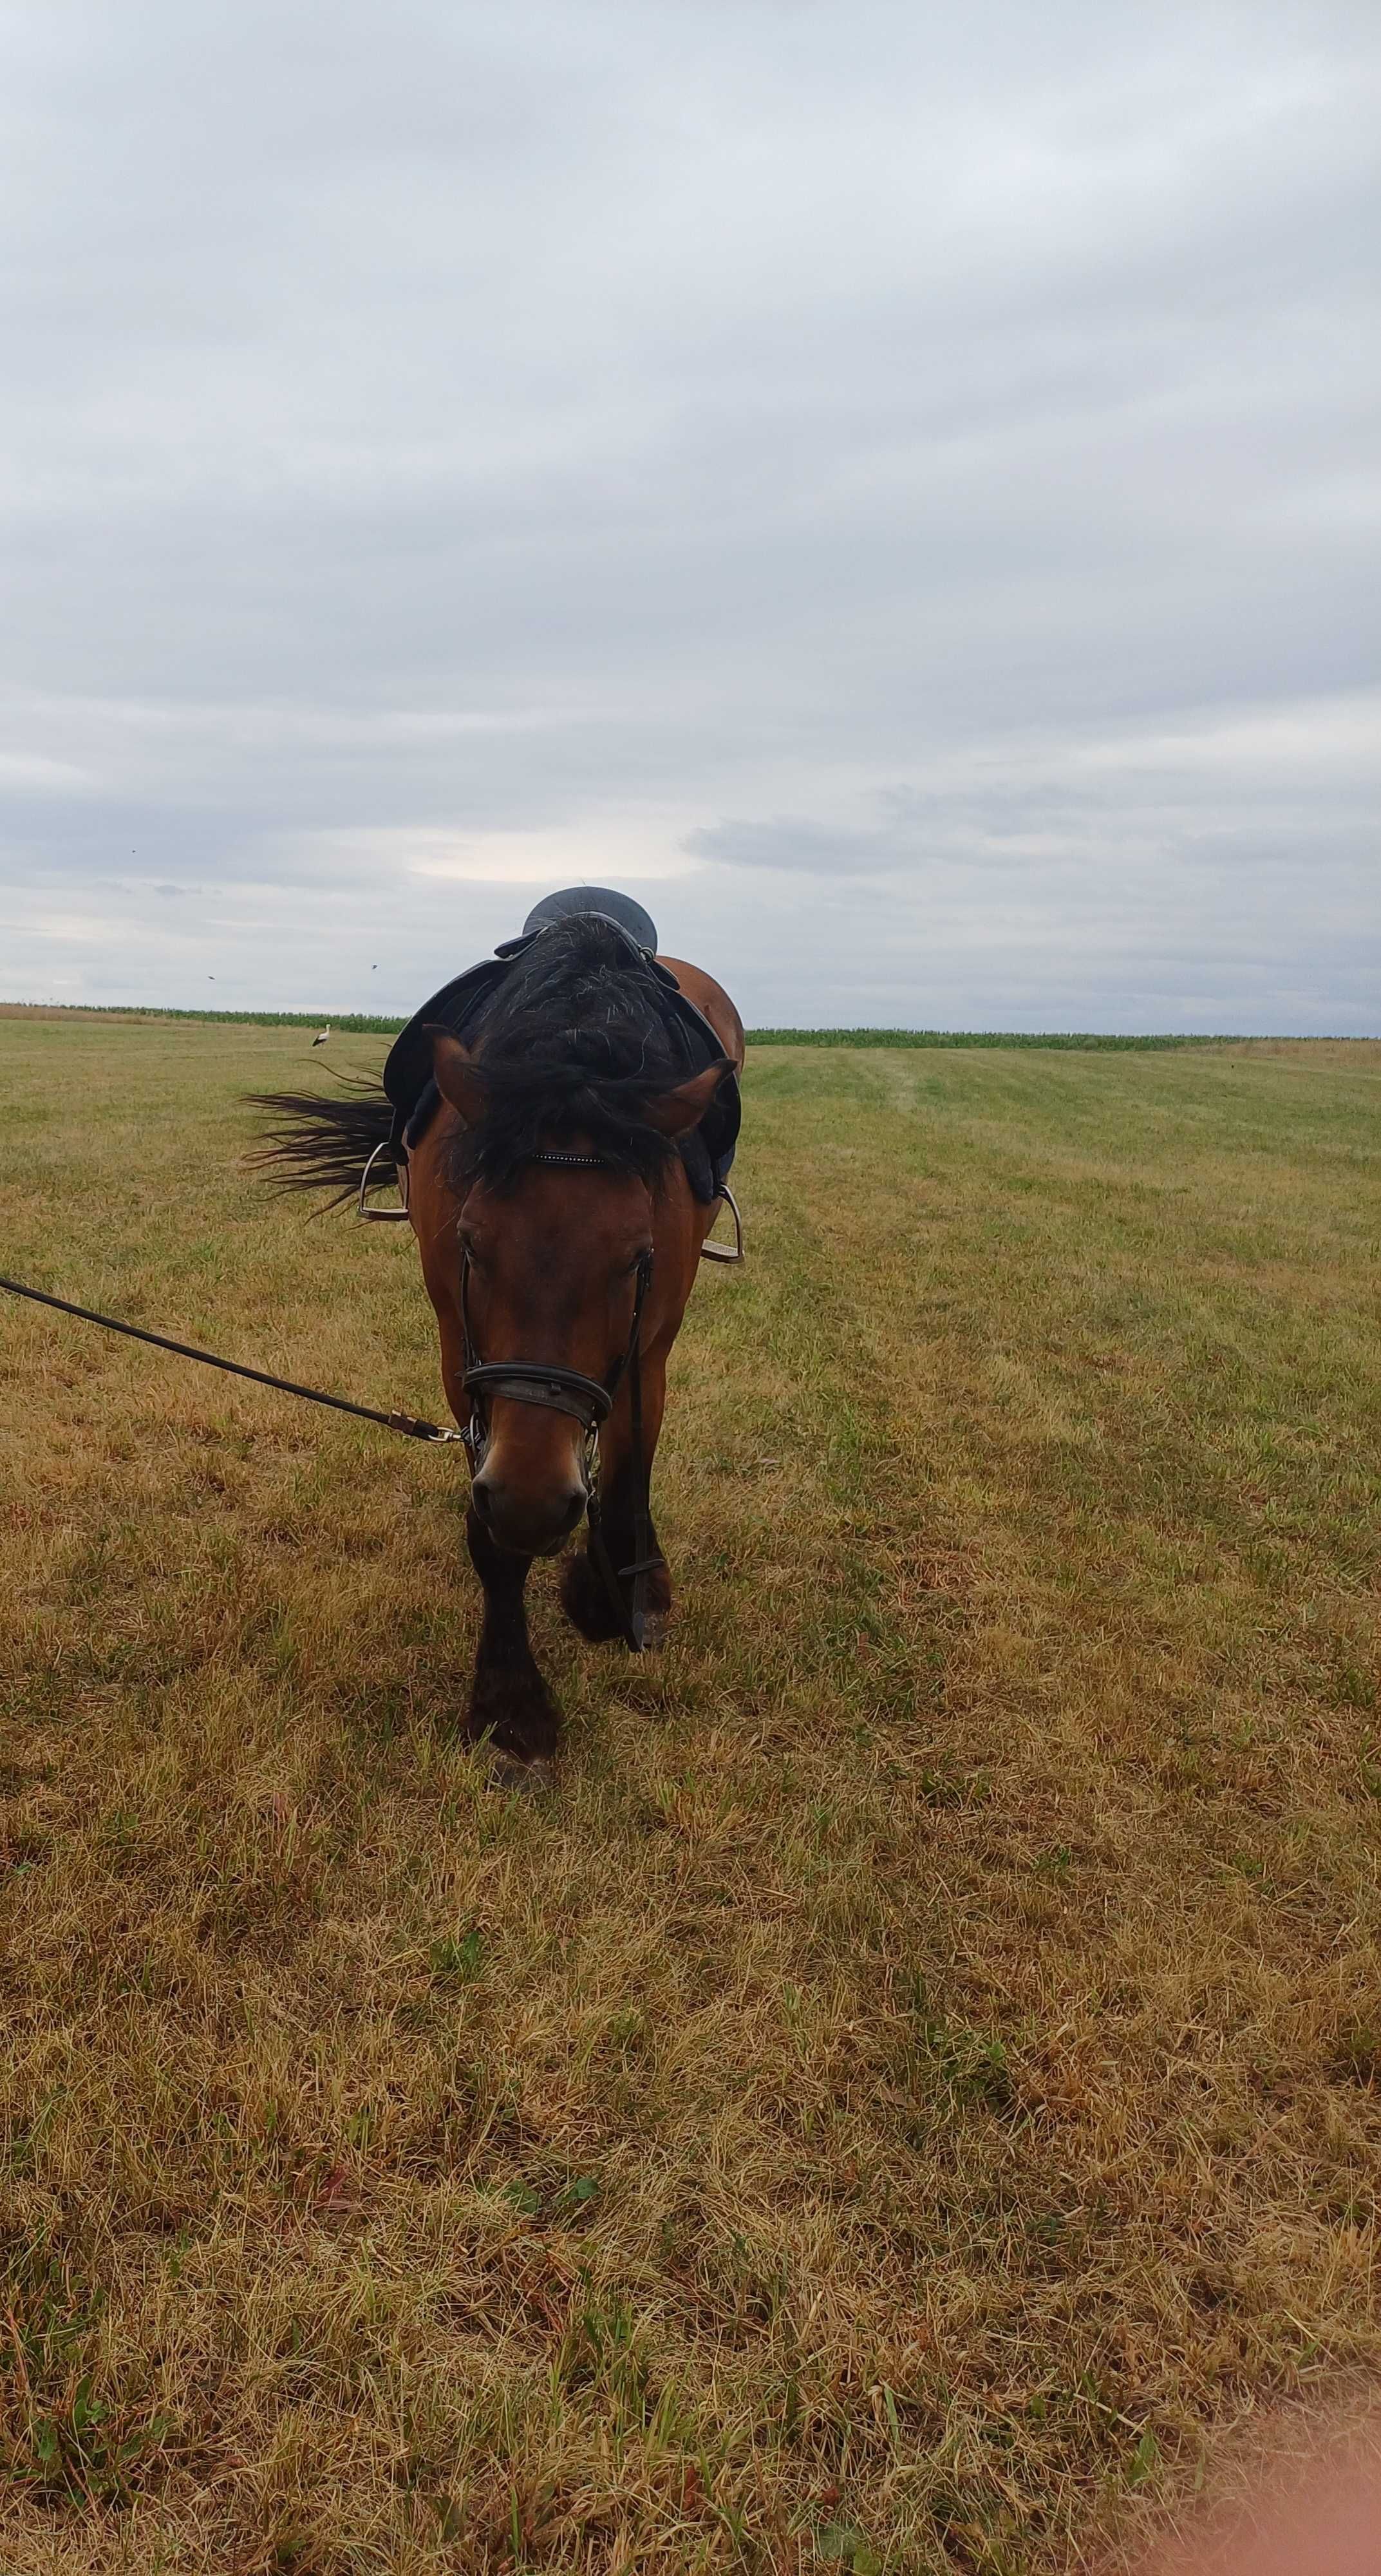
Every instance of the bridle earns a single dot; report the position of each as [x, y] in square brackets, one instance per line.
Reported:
[589, 1401]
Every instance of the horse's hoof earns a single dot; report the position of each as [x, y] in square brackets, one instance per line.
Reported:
[535, 1779]
[520, 1724]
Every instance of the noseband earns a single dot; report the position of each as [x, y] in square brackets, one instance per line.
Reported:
[589, 1401]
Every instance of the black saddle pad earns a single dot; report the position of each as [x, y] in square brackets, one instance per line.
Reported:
[460, 1006]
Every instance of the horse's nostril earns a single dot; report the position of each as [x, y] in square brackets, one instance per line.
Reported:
[481, 1498]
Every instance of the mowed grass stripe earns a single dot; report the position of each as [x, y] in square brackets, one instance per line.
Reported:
[917, 2074]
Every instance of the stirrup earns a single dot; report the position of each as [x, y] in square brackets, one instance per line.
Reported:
[726, 1251]
[383, 1216]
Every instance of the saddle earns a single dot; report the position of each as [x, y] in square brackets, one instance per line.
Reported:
[461, 1006]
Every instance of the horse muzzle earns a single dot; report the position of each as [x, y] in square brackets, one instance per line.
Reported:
[526, 1524]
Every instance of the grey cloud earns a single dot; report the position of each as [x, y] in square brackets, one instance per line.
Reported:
[446, 441]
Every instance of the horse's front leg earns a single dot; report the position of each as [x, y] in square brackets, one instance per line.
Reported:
[509, 1701]
[586, 1597]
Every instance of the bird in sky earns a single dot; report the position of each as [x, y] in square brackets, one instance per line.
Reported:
[322, 1035]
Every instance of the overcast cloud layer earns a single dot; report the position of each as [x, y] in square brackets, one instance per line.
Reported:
[895, 488]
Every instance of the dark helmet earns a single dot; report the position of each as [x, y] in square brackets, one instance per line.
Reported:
[611, 906]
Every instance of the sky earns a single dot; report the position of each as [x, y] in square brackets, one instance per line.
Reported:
[895, 488]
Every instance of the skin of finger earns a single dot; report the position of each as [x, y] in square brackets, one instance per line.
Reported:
[1329, 2527]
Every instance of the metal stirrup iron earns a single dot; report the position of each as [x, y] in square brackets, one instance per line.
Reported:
[726, 1251]
[383, 1216]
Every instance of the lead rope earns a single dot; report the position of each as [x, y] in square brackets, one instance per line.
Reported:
[406, 1423]
[631, 1609]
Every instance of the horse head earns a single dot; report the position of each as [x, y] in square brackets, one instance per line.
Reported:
[556, 1232]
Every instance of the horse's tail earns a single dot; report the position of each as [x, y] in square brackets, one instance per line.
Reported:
[314, 1142]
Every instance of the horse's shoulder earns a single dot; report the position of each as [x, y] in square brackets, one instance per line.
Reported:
[711, 998]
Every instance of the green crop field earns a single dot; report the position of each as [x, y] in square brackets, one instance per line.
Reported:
[375, 1024]
[915, 2082]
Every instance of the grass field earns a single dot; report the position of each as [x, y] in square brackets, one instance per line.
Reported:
[918, 2075]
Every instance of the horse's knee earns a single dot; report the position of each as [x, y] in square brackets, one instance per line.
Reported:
[592, 1610]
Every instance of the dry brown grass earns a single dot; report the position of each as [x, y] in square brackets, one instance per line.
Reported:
[918, 2075]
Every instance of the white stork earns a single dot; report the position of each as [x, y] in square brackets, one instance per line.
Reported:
[322, 1035]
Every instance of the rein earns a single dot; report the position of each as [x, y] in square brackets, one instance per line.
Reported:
[589, 1401]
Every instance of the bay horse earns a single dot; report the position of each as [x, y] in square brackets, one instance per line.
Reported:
[554, 1171]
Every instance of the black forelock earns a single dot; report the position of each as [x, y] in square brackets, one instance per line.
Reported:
[574, 1043]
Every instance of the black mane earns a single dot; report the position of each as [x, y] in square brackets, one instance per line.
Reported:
[577, 1041]
[574, 1044]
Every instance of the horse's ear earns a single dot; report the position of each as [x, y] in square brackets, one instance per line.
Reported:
[456, 1078]
[678, 1111]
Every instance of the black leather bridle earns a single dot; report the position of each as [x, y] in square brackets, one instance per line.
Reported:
[589, 1401]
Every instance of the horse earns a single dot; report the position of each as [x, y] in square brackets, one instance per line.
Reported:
[555, 1180]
